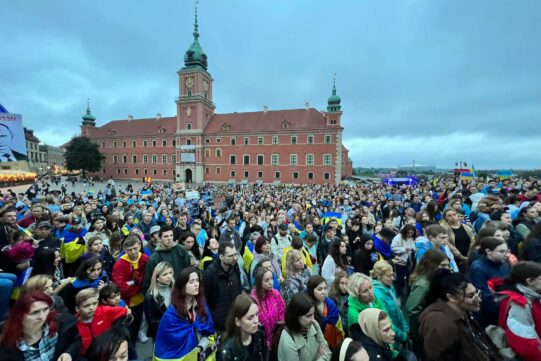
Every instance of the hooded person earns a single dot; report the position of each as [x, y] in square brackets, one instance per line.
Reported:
[375, 332]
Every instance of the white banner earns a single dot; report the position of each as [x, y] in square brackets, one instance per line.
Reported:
[12, 141]
[187, 153]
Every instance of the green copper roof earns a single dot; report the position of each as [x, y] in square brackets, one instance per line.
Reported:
[195, 56]
[88, 115]
[333, 103]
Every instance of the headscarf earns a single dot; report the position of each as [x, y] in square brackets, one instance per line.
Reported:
[369, 322]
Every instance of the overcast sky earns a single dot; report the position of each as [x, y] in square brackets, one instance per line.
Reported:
[431, 81]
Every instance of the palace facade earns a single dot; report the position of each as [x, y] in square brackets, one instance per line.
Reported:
[198, 145]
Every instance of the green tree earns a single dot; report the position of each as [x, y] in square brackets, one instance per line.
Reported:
[83, 154]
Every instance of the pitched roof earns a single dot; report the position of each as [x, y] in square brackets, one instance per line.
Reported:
[136, 127]
[269, 121]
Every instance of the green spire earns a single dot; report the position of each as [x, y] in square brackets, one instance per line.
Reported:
[333, 103]
[88, 118]
[195, 56]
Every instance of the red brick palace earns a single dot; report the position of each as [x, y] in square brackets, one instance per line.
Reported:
[198, 145]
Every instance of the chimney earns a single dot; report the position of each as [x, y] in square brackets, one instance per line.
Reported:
[158, 116]
[265, 109]
[130, 118]
[306, 105]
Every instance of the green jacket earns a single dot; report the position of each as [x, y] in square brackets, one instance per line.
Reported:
[387, 296]
[415, 304]
[355, 307]
[294, 347]
[177, 256]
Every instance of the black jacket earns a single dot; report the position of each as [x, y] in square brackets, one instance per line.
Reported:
[221, 289]
[154, 310]
[362, 261]
[69, 341]
[256, 351]
[375, 351]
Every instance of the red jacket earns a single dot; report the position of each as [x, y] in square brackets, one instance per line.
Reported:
[101, 322]
[520, 317]
[123, 275]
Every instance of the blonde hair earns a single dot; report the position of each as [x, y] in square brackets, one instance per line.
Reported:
[380, 269]
[291, 257]
[85, 295]
[36, 283]
[355, 281]
[158, 270]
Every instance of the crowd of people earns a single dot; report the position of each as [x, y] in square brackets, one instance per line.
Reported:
[440, 270]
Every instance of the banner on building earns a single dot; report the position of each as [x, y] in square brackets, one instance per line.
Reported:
[187, 153]
[12, 141]
[179, 187]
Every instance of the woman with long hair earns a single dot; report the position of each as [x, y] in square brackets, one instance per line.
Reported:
[262, 248]
[187, 239]
[326, 311]
[112, 224]
[446, 329]
[420, 285]
[335, 261]
[244, 339]
[96, 248]
[33, 331]
[383, 275]
[158, 296]
[297, 275]
[90, 274]
[48, 262]
[302, 338]
[271, 306]
[187, 323]
[98, 228]
[403, 247]
[339, 294]
[115, 245]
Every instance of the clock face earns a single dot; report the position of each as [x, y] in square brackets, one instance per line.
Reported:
[205, 85]
[189, 82]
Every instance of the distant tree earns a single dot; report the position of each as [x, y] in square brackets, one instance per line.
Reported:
[83, 154]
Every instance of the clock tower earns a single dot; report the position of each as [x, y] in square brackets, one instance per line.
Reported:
[194, 110]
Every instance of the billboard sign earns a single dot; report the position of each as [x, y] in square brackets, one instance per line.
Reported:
[12, 141]
[187, 153]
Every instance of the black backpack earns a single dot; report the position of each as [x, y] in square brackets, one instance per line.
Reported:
[276, 334]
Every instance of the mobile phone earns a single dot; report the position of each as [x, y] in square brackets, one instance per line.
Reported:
[104, 279]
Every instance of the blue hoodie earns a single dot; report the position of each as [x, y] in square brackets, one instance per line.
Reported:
[423, 244]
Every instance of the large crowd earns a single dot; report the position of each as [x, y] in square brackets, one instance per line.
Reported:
[440, 270]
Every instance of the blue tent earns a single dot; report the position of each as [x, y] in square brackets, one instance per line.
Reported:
[2, 109]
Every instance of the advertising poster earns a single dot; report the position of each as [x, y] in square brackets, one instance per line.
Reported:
[12, 141]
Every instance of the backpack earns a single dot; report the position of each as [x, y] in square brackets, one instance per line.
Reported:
[276, 335]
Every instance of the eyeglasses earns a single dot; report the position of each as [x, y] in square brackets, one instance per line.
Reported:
[475, 294]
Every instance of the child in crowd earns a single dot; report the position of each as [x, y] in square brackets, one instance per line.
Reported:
[93, 318]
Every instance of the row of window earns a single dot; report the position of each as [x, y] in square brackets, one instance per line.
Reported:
[145, 171]
[233, 141]
[277, 174]
[154, 143]
[154, 158]
[275, 159]
[327, 139]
